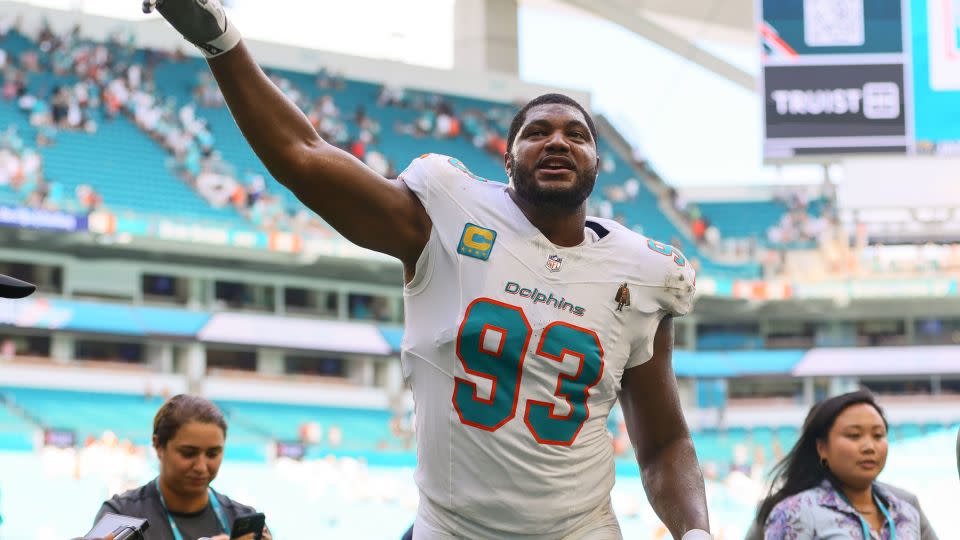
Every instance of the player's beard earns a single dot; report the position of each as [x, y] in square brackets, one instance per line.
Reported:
[567, 197]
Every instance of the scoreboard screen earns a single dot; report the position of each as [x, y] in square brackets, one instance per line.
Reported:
[860, 76]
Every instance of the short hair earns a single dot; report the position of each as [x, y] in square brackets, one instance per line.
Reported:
[183, 409]
[547, 99]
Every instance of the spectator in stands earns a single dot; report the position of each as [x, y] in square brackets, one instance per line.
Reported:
[189, 434]
[712, 235]
[335, 436]
[699, 228]
[828, 480]
[88, 198]
[392, 95]
[378, 162]
[8, 350]
[218, 189]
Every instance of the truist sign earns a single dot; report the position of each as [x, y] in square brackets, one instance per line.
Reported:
[834, 109]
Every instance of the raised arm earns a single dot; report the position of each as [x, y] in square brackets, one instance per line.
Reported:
[668, 462]
[367, 209]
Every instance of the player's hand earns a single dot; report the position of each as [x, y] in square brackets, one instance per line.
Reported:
[201, 22]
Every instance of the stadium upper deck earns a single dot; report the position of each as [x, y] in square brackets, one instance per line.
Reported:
[184, 159]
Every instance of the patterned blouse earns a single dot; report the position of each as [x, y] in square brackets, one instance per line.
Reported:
[819, 513]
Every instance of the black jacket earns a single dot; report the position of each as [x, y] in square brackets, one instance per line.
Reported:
[144, 502]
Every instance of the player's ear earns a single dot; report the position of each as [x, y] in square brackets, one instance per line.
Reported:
[508, 164]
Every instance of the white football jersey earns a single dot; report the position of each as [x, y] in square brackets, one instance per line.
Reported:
[514, 348]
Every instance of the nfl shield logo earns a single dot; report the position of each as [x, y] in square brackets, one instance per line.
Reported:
[553, 263]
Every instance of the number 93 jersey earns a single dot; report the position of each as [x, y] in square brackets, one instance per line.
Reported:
[515, 347]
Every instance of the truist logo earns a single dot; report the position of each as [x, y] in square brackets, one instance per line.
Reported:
[544, 297]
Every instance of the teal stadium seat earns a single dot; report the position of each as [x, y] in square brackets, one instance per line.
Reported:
[16, 433]
[752, 219]
[89, 414]
[363, 430]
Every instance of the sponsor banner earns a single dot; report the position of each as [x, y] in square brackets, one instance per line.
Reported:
[337, 246]
[101, 318]
[889, 288]
[102, 222]
[879, 361]
[832, 290]
[761, 290]
[221, 235]
[208, 234]
[295, 333]
[29, 218]
[834, 108]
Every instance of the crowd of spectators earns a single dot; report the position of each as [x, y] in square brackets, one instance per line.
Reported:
[84, 69]
[801, 223]
[21, 170]
[484, 128]
[111, 81]
[101, 81]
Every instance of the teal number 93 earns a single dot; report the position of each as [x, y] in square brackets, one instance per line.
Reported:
[492, 344]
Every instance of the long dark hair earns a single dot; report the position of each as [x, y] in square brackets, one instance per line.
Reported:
[801, 469]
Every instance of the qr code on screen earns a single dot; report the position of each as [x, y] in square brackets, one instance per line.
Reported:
[833, 23]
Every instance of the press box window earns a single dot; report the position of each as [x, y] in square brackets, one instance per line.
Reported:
[109, 351]
[315, 365]
[48, 279]
[311, 301]
[244, 296]
[13, 345]
[236, 360]
[369, 307]
[162, 288]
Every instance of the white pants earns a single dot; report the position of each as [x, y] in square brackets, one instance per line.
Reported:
[601, 524]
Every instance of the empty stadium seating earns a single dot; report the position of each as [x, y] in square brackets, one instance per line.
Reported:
[88, 414]
[752, 219]
[743, 219]
[362, 429]
[16, 433]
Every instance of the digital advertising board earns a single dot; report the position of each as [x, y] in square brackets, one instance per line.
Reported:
[844, 77]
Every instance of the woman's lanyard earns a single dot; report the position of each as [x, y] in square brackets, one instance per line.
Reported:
[217, 509]
[866, 526]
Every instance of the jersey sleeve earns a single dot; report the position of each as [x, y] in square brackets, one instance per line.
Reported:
[425, 178]
[666, 286]
[438, 181]
[679, 286]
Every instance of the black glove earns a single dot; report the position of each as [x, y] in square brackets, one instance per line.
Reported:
[201, 22]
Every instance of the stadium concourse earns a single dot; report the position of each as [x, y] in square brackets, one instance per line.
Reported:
[181, 265]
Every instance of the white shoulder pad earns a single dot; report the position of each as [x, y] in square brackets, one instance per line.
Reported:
[674, 276]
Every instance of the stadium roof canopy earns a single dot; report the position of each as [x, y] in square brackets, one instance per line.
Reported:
[680, 27]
